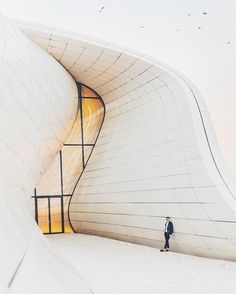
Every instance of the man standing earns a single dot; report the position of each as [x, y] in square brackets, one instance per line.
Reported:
[169, 230]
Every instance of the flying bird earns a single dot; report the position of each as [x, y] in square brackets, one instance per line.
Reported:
[204, 13]
[101, 9]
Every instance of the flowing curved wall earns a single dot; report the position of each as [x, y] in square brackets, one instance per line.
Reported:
[156, 154]
[38, 107]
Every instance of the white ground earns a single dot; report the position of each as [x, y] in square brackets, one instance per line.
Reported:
[116, 267]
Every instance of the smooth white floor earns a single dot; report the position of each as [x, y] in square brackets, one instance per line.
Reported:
[110, 266]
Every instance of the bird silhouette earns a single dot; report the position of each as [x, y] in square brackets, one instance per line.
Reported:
[101, 9]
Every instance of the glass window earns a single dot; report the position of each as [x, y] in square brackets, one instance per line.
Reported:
[62, 176]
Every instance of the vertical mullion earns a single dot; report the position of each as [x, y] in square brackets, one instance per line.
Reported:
[62, 202]
[81, 123]
[36, 206]
[49, 215]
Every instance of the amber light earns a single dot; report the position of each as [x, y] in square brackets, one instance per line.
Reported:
[68, 165]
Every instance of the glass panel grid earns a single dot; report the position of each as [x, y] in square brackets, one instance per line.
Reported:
[52, 195]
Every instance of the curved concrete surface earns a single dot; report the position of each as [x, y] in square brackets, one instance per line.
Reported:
[111, 266]
[38, 106]
[156, 154]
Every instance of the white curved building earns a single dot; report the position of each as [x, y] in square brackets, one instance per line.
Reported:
[38, 108]
[156, 155]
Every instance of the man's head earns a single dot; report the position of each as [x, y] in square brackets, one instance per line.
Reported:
[167, 218]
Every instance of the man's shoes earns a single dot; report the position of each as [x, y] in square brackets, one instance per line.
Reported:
[165, 250]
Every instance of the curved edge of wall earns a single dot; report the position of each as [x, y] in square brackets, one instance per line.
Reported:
[195, 99]
[212, 231]
[38, 106]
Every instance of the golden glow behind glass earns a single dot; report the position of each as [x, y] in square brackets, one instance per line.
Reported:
[62, 175]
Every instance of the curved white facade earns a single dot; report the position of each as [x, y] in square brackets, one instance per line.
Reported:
[38, 106]
[156, 154]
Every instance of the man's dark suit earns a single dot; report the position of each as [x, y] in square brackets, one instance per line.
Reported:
[170, 230]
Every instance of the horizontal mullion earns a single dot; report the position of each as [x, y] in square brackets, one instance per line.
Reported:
[52, 196]
[53, 233]
[74, 144]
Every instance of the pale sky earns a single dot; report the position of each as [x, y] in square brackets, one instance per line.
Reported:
[196, 37]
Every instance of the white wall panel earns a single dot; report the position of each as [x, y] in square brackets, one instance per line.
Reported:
[156, 155]
[38, 106]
